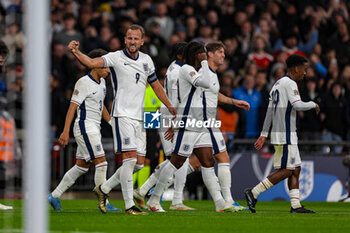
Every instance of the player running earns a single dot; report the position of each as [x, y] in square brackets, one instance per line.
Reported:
[130, 70]
[87, 100]
[281, 115]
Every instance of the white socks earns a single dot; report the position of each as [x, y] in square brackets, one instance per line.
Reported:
[152, 180]
[100, 173]
[68, 180]
[179, 182]
[294, 198]
[123, 176]
[166, 173]
[138, 167]
[126, 181]
[224, 176]
[212, 183]
[261, 187]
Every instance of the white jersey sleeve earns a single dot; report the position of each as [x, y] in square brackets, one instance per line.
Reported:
[189, 74]
[292, 92]
[150, 71]
[80, 92]
[110, 59]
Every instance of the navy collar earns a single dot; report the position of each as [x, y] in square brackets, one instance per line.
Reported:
[211, 69]
[90, 76]
[287, 76]
[126, 54]
[179, 63]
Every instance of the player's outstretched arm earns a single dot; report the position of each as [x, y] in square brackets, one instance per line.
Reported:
[91, 63]
[105, 115]
[159, 91]
[64, 137]
[222, 99]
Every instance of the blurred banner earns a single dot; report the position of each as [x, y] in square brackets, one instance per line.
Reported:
[322, 178]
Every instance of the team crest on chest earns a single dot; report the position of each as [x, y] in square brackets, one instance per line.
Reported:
[127, 141]
[145, 67]
[186, 147]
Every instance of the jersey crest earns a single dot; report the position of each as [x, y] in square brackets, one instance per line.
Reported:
[145, 67]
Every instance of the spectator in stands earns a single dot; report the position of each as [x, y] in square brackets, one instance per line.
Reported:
[14, 39]
[333, 117]
[248, 93]
[341, 43]
[68, 33]
[259, 56]
[261, 86]
[310, 123]
[166, 23]
[288, 45]
[228, 113]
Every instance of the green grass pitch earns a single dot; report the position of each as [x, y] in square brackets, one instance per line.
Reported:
[83, 216]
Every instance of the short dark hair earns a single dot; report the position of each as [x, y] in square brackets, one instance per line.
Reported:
[97, 53]
[4, 51]
[190, 52]
[137, 27]
[214, 46]
[68, 16]
[176, 49]
[295, 60]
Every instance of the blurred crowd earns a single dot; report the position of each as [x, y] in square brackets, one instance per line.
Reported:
[258, 34]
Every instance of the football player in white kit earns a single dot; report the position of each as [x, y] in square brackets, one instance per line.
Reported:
[216, 55]
[191, 139]
[281, 115]
[130, 70]
[171, 88]
[87, 100]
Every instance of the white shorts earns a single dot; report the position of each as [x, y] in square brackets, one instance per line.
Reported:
[217, 141]
[167, 145]
[286, 156]
[128, 135]
[89, 146]
[186, 141]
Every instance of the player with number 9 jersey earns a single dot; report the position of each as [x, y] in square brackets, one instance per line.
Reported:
[129, 74]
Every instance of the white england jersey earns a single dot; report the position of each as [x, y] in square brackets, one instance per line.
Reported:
[283, 95]
[129, 79]
[171, 82]
[190, 105]
[211, 95]
[89, 95]
[170, 86]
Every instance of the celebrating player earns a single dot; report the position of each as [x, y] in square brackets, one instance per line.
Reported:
[87, 100]
[281, 114]
[191, 139]
[130, 70]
